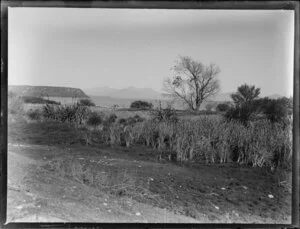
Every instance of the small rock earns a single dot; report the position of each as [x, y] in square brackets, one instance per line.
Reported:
[244, 187]
[223, 188]
[139, 166]
[45, 158]
[109, 210]
[270, 196]
[151, 179]
[138, 214]
[105, 204]
[216, 207]
[19, 207]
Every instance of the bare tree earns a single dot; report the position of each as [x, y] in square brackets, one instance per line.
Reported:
[193, 82]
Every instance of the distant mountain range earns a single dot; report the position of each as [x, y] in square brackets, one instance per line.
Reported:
[124, 93]
[46, 91]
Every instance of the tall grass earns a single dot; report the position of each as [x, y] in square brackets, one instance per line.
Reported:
[73, 114]
[212, 140]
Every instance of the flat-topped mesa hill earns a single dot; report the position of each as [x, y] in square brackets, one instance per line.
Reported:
[46, 91]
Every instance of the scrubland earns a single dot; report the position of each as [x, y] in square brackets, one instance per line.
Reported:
[147, 166]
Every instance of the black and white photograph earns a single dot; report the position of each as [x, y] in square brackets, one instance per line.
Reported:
[136, 115]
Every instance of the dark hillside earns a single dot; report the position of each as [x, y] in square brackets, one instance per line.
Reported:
[46, 91]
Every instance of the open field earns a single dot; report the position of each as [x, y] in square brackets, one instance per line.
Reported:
[51, 169]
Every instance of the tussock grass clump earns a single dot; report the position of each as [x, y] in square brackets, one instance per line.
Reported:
[73, 114]
[34, 115]
[86, 102]
[94, 119]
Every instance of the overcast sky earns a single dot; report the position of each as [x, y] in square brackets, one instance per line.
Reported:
[136, 47]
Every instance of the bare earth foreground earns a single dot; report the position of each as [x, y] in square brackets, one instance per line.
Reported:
[131, 185]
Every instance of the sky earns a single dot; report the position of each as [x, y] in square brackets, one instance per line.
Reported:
[119, 48]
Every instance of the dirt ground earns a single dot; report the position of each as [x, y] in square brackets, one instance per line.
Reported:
[131, 185]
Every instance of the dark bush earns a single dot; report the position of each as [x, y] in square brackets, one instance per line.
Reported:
[122, 121]
[138, 118]
[112, 118]
[243, 113]
[34, 115]
[72, 114]
[86, 102]
[222, 107]
[275, 110]
[52, 102]
[131, 121]
[38, 100]
[94, 119]
[141, 105]
[167, 114]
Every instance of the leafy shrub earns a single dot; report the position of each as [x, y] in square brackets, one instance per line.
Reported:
[131, 120]
[122, 121]
[141, 105]
[243, 113]
[112, 118]
[52, 102]
[72, 114]
[206, 112]
[244, 100]
[223, 107]
[168, 114]
[94, 119]
[86, 102]
[34, 114]
[138, 118]
[275, 110]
